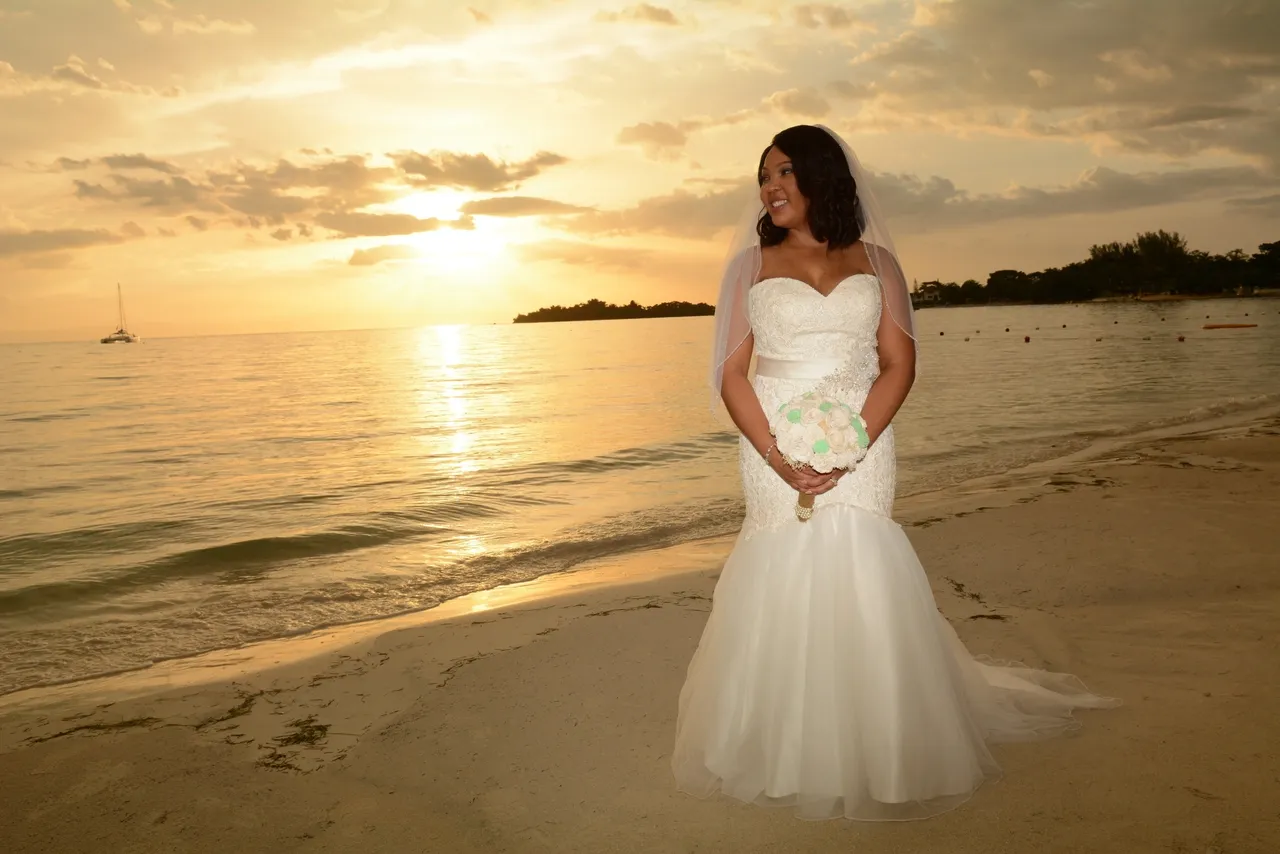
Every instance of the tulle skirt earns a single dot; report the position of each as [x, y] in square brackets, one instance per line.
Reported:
[827, 680]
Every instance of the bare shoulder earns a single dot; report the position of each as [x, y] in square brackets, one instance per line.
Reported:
[772, 259]
[858, 257]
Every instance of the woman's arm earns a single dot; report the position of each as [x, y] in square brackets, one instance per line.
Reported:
[897, 374]
[747, 413]
[740, 398]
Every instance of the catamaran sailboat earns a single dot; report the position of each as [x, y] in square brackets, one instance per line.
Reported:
[121, 335]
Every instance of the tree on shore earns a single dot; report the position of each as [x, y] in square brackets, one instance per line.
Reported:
[594, 309]
[1154, 262]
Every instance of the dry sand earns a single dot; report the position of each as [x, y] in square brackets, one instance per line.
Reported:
[540, 717]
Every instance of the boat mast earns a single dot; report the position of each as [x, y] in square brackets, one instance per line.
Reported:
[120, 304]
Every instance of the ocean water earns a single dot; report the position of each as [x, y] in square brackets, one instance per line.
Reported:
[162, 499]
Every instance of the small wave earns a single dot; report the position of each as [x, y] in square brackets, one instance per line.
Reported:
[694, 448]
[126, 536]
[34, 491]
[48, 416]
[235, 561]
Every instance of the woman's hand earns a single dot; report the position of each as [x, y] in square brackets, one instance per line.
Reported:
[805, 479]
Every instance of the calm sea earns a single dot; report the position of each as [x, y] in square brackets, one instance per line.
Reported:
[180, 495]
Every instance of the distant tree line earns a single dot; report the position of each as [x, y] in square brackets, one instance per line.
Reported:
[1156, 262]
[595, 309]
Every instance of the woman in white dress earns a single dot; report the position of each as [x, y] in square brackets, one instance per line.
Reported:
[826, 679]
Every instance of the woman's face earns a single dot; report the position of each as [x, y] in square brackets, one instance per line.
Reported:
[787, 207]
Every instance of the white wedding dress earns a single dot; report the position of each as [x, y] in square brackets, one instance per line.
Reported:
[826, 679]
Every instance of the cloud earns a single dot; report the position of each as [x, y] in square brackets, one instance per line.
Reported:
[138, 161]
[14, 242]
[644, 13]
[480, 17]
[74, 71]
[201, 25]
[678, 214]
[1262, 205]
[197, 223]
[176, 193]
[665, 140]
[356, 224]
[471, 171]
[581, 254]
[519, 206]
[799, 102]
[924, 204]
[967, 65]
[658, 139]
[378, 254]
[937, 202]
[132, 229]
[815, 15]
[282, 234]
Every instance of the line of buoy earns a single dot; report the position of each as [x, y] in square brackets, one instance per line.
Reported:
[1229, 325]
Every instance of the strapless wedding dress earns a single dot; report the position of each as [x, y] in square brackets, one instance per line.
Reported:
[826, 679]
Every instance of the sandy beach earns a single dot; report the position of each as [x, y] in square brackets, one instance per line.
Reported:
[539, 717]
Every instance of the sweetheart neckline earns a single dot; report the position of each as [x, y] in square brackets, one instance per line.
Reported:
[811, 287]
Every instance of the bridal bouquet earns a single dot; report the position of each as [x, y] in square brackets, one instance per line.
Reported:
[817, 430]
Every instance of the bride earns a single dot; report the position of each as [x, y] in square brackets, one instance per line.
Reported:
[826, 679]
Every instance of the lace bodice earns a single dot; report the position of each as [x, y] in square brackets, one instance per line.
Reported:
[791, 320]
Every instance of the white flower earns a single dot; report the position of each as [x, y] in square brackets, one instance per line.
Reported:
[811, 415]
[839, 418]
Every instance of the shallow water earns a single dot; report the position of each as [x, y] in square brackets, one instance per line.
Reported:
[187, 494]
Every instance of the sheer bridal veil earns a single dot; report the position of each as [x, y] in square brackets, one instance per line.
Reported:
[742, 269]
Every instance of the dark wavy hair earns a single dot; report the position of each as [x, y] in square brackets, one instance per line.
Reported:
[822, 174]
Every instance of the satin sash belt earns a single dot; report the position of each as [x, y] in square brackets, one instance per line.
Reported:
[795, 369]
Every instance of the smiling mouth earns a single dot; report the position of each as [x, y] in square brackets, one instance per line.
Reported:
[777, 203]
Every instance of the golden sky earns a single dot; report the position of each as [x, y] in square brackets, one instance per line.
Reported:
[243, 166]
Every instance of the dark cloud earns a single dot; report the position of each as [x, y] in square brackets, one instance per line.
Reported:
[378, 254]
[132, 229]
[519, 206]
[85, 190]
[1261, 205]
[27, 242]
[332, 192]
[176, 193]
[137, 161]
[471, 171]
